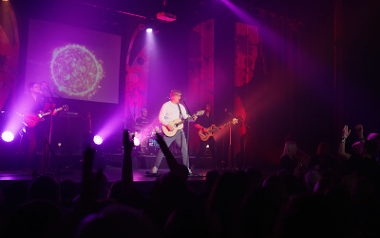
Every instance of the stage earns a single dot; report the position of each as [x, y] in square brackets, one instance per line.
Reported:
[144, 184]
[71, 169]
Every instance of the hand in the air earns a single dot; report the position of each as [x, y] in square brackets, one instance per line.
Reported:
[345, 131]
[359, 130]
[160, 140]
[128, 144]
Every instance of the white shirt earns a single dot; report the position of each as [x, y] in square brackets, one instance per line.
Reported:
[170, 112]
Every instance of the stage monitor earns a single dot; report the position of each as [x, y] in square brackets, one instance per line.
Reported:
[75, 63]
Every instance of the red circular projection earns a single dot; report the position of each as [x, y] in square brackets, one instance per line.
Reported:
[76, 71]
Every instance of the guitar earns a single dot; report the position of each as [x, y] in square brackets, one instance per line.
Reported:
[178, 124]
[211, 129]
[32, 120]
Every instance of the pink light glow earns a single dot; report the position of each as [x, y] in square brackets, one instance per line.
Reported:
[7, 136]
[114, 123]
[98, 140]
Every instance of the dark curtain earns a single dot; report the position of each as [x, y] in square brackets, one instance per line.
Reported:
[291, 93]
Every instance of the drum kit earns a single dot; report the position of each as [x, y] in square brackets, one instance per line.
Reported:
[146, 144]
[145, 140]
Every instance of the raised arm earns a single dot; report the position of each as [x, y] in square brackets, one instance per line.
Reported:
[342, 147]
[357, 147]
[127, 175]
[90, 187]
[170, 159]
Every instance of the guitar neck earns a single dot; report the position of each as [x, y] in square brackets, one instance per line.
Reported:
[183, 121]
[48, 113]
[217, 128]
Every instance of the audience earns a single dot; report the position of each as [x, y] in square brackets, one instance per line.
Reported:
[289, 159]
[297, 202]
[323, 160]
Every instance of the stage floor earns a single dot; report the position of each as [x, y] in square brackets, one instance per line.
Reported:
[144, 184]
[113, 173]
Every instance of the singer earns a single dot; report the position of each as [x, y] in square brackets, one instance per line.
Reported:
[171, 111]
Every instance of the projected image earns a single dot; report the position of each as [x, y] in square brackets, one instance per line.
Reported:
[76, 71]
[74, 63]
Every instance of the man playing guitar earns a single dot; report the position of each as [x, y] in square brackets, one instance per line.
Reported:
[34, 103]
[171, 111]
[206, 121]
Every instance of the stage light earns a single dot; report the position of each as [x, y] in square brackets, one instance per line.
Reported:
[98, 140]
[136, 141]
[7, 136]
[149, 30]
[165, 16]
[207, 146]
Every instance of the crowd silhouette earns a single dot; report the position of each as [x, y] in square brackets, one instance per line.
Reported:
[306, 198]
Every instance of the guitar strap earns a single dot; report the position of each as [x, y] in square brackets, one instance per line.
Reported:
[180, 112]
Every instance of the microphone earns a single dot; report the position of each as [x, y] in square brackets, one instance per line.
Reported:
[183, 99]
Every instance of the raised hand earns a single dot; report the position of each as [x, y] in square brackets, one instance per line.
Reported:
[90, 186]
[170, 159]
[160, 140]
[359, 130]
[126, 172]
[128, 144]
[345, 131]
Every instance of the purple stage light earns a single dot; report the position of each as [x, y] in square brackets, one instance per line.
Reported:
[149, 30]
[98, 140]
[7, 136]
[136, 141]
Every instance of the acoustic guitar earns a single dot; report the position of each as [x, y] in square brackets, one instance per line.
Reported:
[178, 124]
[32, 120]
[212, 129]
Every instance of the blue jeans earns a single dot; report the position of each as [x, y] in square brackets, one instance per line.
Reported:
[180, 139]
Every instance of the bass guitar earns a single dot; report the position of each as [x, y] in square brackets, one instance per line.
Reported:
[178, 124]
[32, 120]
[204, 136]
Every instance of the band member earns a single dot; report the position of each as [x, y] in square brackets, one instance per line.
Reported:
[204, 122]
[171, 111]
[142, 122]
[33, 104]
[45, 91]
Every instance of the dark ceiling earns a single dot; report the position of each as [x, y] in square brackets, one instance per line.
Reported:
[187, 10]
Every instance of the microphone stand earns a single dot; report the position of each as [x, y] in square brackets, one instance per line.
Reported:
[245, 137]
[187, 136]
[134, 117]
[49, 152]
[58, 95]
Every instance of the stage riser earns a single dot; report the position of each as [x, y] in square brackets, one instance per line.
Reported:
[143, 186]
[147, 161]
